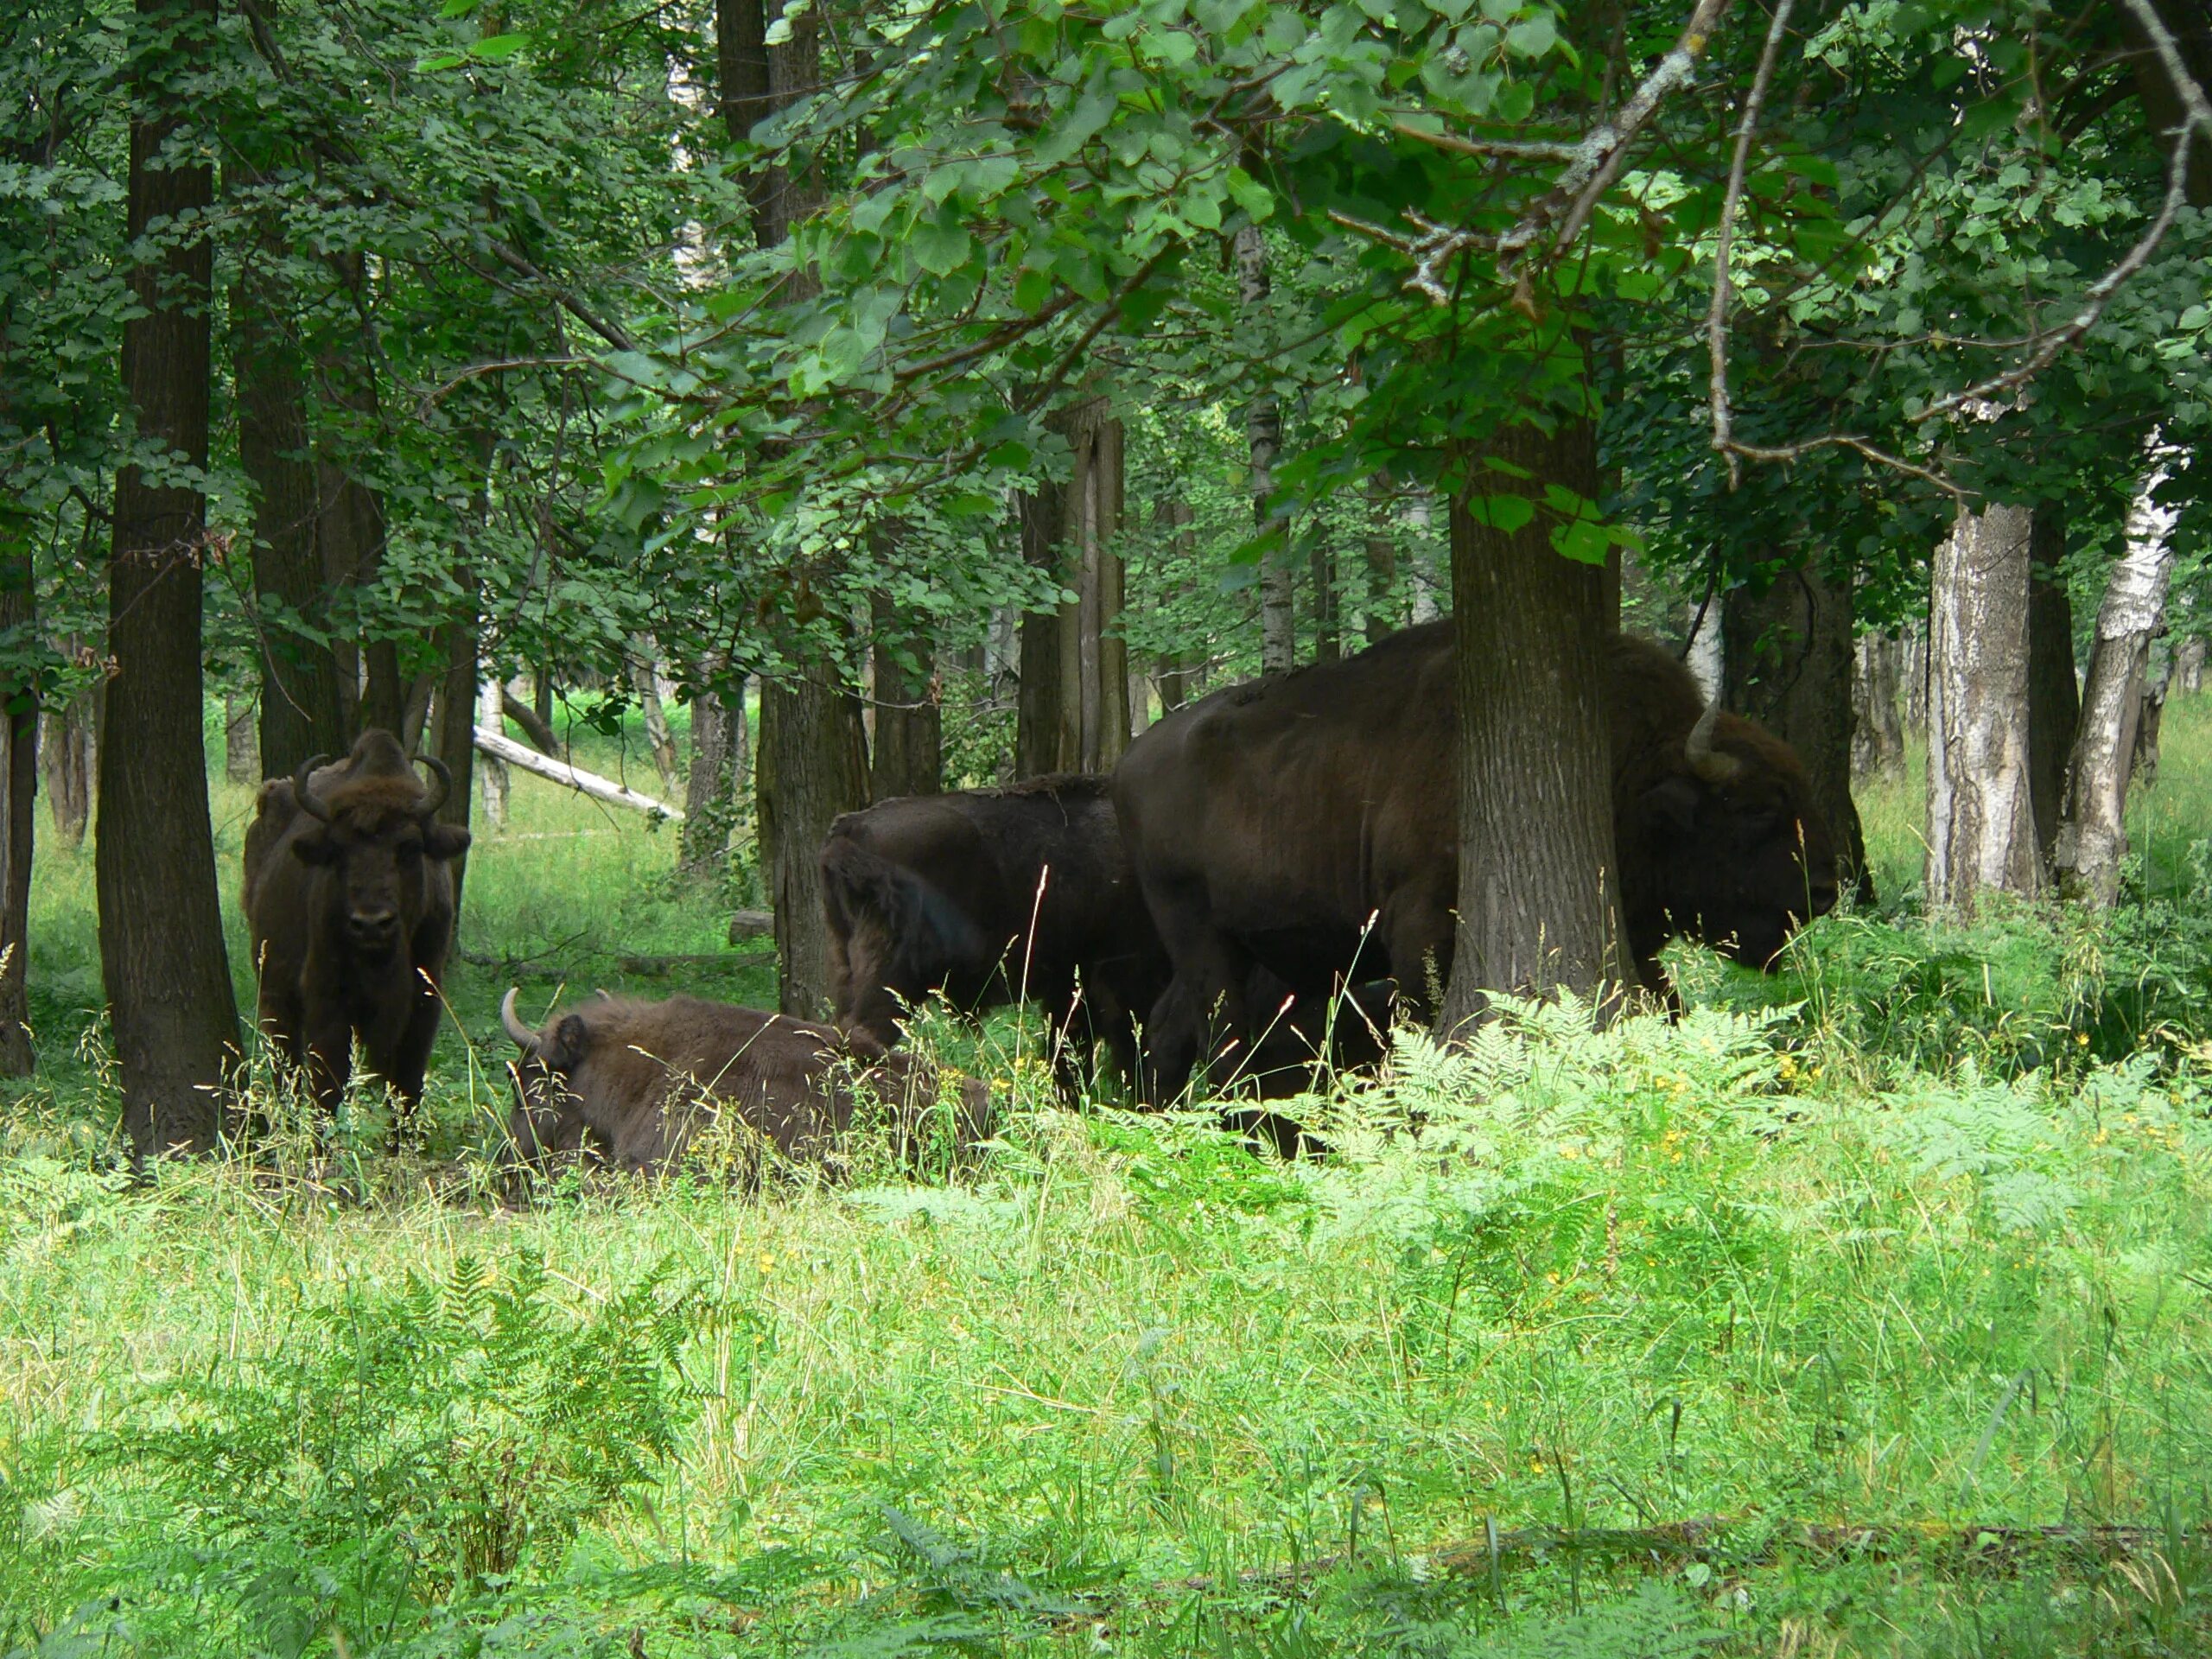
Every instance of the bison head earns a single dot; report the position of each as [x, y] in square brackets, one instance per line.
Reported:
[1742, 855]
[374, 832]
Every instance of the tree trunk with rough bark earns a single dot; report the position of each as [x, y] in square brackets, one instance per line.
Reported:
[1381, 551]
[1328, 638]
[709, 790]
[909, 755]
[2054, 695]
[66, 759]
[813, 767]
[241, 748]
[490, 697]
[301, 712]
[1788, 659]
[1981, 833]
[1707, 655]
[2158, 680]
[454, 739]
[644, 684]
[350, 517]
[2092, 830]
[167, 974]
[1538, 903]
[1263, 435]
[1878, 731]
[2189, 666]
[1074, 699]
[19, 774]
[1912, 676]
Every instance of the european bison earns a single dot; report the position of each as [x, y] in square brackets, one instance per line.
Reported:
[939, 893]
[632, 1082]
[1268, 823]
[349, 898]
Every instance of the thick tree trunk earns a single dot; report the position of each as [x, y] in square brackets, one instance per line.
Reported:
[2054, 696]
[1074, 698]
[2093, 832]
[1263, 435]
[350, 517]
[1382, 558]
[1876, 732]
[533, 724]
[1418, 515]
[490, 698]
[162, 951]
[909, 755]
[813, 767]
[1788, 666]
[644, 684]
[1980, 798]
[241, 749]
[415, 711]
[455, 740]
[1539, 906]
[301, 712]
[709, 790]
[19, 776]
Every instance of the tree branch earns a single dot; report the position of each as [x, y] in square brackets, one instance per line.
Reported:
[1716, 324]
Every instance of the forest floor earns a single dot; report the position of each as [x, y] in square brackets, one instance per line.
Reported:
[1866, 1310]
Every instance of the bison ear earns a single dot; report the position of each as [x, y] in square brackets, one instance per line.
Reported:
[444, 840]
[314, 847]
[570, 1040]
[1674, 802]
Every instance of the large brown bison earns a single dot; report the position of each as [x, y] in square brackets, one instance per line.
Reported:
[631, 1083]
[1306, 824]
[990, 896]
[349, 898]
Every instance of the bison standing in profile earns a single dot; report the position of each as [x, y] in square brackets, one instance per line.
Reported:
[991, 896]
[631, 1083]
[1307, 825]
[349, 897]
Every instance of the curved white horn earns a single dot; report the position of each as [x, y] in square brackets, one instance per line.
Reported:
[1706, 761]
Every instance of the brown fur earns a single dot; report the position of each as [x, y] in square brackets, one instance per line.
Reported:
[1269, 822]
[321, 982]
[634, 1082]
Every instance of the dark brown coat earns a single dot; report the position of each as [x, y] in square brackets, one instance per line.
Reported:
[1307, 824]
[349, 900]
[931, 893]
[634, 1082]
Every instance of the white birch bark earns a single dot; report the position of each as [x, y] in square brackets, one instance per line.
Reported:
[1706, 659]
[492, 771]
[1981, 834]
[2093, 833]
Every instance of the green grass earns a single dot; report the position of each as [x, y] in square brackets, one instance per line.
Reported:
[1906, 1258]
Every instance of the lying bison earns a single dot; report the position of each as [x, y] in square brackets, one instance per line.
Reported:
[989, 896]
[1269, 822]
[349, 898]
[632, 1083]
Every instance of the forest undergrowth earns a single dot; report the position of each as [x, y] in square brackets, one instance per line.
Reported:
[1865, 1310]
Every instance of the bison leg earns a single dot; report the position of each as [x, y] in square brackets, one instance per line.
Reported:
[1416, 929]
[329, 1060]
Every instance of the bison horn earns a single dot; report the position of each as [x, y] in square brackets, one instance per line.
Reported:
[303, 789]
[525, 1038]
[1706, 761]
[445, 785]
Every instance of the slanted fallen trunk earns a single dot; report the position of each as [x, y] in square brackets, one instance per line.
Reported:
[500, 747]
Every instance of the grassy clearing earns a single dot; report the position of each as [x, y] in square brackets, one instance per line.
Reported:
[1910, 1258]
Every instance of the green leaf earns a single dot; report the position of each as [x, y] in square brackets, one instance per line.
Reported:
[497, 49]
[1503, 512]
[457, 7]
[432, 65]
[1582, 540]
[2196, 317]
[1533, 37]
[942, 246]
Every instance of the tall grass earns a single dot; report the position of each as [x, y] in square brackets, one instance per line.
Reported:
[1843, 1250]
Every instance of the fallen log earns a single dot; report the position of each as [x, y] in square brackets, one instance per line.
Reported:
[544, 966]
[500, 745]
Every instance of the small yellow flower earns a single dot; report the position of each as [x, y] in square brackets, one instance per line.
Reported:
[2081, 1038]
[767, 1264]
